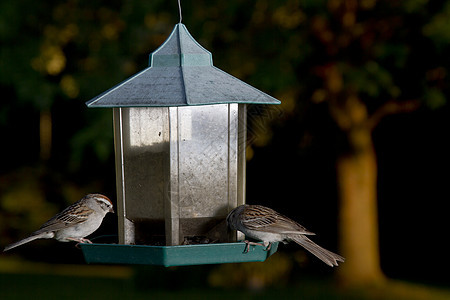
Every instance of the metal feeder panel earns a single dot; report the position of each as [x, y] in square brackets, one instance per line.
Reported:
[180, 170]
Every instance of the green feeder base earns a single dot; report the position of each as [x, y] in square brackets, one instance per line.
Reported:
[174, 255]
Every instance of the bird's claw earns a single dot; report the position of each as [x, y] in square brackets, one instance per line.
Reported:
[80, 241]
[248, 243]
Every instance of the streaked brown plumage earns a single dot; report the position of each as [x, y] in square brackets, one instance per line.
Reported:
[74, 223]
[264, 224]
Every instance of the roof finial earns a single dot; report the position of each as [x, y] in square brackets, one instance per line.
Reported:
[179, 9]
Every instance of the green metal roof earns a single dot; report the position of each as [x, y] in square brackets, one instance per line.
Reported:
[181, 73]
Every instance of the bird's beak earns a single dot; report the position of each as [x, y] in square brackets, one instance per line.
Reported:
[112, 210]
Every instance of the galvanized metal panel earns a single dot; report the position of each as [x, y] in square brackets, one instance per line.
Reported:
[203, 161]
[146, 148]
[172, 210]
[121, 198]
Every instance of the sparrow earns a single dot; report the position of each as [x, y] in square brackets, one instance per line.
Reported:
[264, 224]
[74, 223]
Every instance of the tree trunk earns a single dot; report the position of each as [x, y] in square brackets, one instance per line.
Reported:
[358, 218]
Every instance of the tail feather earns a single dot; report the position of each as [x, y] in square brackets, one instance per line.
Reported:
[24, 241]
[323, 254]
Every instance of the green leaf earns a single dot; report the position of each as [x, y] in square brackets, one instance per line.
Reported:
[434, 98]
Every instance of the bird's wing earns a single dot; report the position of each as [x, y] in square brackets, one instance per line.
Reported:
[265, 219]
[72, 215]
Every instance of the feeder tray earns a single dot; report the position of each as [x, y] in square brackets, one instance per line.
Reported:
[169, 256]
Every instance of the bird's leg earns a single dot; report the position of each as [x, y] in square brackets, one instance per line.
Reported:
[268, 247]
[80, 241]
[251, 243]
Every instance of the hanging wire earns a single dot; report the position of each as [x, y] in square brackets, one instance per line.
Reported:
[179, 9]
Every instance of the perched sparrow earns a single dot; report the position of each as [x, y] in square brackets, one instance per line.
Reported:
[266, 225]
[74, 223]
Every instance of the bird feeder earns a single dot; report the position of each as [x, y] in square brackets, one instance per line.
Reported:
[180, 139]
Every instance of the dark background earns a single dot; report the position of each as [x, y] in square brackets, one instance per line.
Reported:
[276, 46]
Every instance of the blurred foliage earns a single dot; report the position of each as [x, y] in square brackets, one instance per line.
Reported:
[253, 275]
[55, 55]
[438, 29]
[21, 217]
[116, 282]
